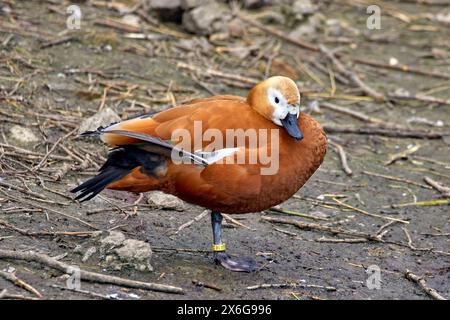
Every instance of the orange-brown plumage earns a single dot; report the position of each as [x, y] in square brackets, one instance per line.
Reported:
[229, 188]
[245, 155]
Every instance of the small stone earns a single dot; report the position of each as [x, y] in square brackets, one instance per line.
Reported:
[6, 9]
[196, 42]
[137, 253]
[132, 20]
[119, 252]
[165, 201]
[304, 7]
[236, 28]
[298, 11]
[102, 118]
[206, 19]
[239, 52]
[167, 10]
[23, 135]
[316, 20]
[308, 28]
[334, 28]
[114, 239]
[393, 61]
[443, 17]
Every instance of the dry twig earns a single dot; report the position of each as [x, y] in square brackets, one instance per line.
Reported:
[290, 285]
[190, 222]
[87, 275]
[423, 284]
[445, 191]
[342, 156]
[4, 294]
[20, 283]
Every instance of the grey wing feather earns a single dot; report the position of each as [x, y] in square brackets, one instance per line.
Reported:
[166, 148]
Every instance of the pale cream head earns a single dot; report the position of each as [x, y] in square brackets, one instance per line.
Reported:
[275, 98]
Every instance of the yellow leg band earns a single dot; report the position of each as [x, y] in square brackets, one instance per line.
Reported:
[218, 247]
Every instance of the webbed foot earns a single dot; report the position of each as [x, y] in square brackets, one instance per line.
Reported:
[238, 265]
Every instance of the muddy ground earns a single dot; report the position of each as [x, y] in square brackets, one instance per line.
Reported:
[52, 78]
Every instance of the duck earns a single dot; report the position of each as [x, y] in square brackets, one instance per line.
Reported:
[226, 153]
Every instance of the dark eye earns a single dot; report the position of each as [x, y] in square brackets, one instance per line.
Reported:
[277, 100]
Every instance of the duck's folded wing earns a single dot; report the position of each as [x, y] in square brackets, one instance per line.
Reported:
[208, 112]
[158, 146]
[222, 182]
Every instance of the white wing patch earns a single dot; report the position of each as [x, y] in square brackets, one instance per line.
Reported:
[214, 156]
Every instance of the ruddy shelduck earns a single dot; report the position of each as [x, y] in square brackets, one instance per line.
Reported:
[158, 152]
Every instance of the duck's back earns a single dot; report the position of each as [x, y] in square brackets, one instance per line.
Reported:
[210, 111]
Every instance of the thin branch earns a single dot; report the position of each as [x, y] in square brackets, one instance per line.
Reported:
[87, 275]
[342, 156]
[20, 283]
[423, 284]
[445, 191]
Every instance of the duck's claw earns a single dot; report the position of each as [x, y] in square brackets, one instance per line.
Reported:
[240, 265]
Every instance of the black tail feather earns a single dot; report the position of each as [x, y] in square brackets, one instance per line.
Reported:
[94, 186]
[91, 133]
[96, 132]
[121, 161]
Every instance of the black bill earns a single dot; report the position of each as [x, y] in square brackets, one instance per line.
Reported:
[290, 123]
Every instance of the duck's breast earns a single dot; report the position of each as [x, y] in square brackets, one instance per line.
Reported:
[298, 160]
[235, 186]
